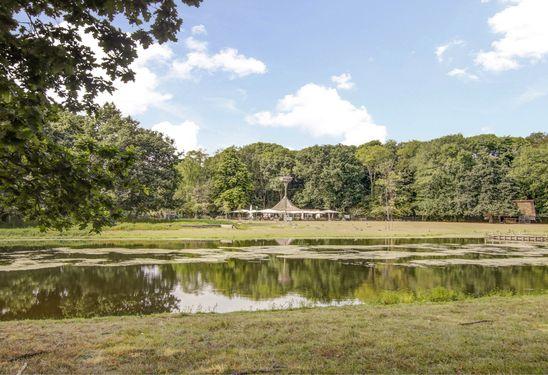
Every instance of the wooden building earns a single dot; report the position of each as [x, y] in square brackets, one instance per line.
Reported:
[527, 212]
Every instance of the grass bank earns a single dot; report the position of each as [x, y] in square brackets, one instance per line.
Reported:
[268, 230]
[494, 334]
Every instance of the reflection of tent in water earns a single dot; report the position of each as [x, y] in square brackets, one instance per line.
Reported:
[284, 276]
[284, 241]
[287, 210]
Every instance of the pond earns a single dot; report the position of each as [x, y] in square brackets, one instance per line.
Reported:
[88, 279]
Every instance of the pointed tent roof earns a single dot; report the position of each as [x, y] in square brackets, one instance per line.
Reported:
[285, 205]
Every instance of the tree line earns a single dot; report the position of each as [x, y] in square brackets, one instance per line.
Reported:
[129, 172]
[449, 178]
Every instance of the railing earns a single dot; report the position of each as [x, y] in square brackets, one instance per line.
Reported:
[517, 237]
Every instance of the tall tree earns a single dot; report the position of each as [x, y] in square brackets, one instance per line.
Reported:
[231, 181]
[153, 176]
[42, 56]
[193, 191]
[406, 170]
[372, 155]
[493, 188]
[460, 177]
[267, 162]
[380, 161]
[441, 178]
[530, 171]
[329, 177]
[85, 194]
[150, 182]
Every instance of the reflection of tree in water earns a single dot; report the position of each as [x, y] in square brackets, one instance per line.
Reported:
[85, 291]
[95, 291]
[471, 280]
[326, 280]
[19, 291]
[315, 279]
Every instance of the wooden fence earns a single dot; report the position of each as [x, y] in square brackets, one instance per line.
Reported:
[517, 237]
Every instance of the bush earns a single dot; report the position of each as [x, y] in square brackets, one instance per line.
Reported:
[441, 294]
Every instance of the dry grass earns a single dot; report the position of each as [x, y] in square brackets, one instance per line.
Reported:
[506, 335]
[267, 230]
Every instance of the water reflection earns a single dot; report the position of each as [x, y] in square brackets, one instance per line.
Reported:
[84, 292]
[238, 284]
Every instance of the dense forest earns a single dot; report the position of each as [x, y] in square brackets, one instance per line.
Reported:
[135, 172]
[449, 178]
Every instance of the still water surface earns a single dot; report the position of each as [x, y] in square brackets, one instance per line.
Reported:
[98, 279]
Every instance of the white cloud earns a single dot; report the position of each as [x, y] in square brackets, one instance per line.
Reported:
[226, 104]
[137, 97]
[320, 111]
[495, 62]
[463, 74]
[195, 45]
[343, 81]
[227, 60]
[198, 29]
[531, 95]
[500, 1]
[524, 29]
[152, 64]
[184, 134]
[154, 53]
[442, 49]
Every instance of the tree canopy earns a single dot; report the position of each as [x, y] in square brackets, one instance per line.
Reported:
[122, 170]
[43, 56]
[151, 180]
[449, 178]
[230, 181]
[266, 162]
[193, 191]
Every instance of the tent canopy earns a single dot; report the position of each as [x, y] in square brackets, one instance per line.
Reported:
[285, 205]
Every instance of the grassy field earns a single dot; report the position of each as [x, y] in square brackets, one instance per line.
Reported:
[267, 230]
[494, 334]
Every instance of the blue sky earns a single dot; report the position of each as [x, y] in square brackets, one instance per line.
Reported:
[300, 73]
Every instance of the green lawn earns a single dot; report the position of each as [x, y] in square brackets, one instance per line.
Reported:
[264, 230]
[486, 335]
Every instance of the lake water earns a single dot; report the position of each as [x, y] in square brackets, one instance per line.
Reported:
[86, 279]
